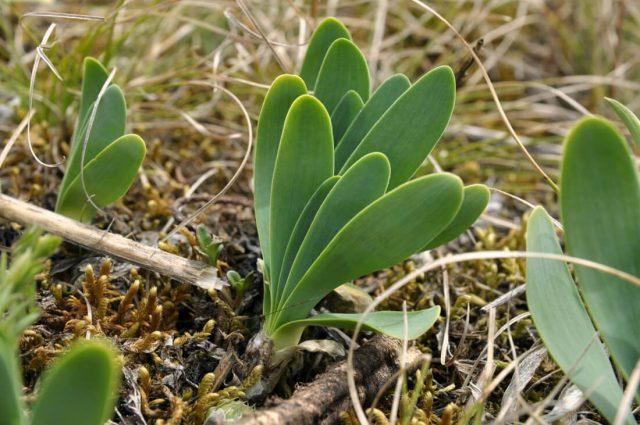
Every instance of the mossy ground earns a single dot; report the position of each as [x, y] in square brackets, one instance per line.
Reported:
[173, 337]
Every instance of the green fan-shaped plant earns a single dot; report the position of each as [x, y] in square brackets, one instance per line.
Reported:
[334, 194]
[600, 206]
[80, 387]
[111, 158]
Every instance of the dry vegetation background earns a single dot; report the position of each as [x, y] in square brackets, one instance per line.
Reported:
[551, 62]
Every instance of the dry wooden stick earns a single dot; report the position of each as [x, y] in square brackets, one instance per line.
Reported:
[321, 401]
[179, 268]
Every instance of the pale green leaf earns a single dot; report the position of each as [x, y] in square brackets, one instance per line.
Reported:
[108, 177]
[563, 322]
[476, 198]
[412, 126]
[362, 184]
[325, 34]
[284, 90]
[344, 68]
[387, 322]
[629, 119]
[600, 201]
[388, 92]
[304, 161]
[94, 76]
[11, 406]
[80, 388]
[344, 114]
[386, 232]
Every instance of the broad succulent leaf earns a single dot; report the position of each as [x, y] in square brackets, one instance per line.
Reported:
[344, 68]
[304, 161]
[346, 111]
[284, 90]
[94, 76]
[80, 388]
[324, 35]
[388, 92]
[108, 176]
[563, 322]
[411, 127]
[600, 203]
[386, 232]
[629, 119]
[476, 198]
[387, 322]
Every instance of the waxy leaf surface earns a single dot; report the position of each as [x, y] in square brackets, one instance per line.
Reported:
[325, 34]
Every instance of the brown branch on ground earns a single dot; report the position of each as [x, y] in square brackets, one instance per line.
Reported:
[179, 268]
[321, 401]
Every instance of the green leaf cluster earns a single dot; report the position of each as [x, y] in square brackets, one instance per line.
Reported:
[80, 387]
[334, 199]
[111, 158]
[600, 207]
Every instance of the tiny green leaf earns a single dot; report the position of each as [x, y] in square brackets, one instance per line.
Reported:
[343, 69]
[108, 176]
[362, 184]
[600, 203]
[387, 322]
[629, 119]
[80, 388]
[563, 322]
[304, 162]
[476, 198]
[388, 92]
[284, 90]
[344, 114]
[386, 232]
[325, 34]
[412, 126]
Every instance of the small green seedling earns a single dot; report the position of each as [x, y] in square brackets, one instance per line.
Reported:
[600, 205]
[334, 199]
[79, 388]
[111, 158]
[209, 247]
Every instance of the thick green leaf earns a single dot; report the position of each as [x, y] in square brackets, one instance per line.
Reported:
[343, 69]
[108, 177]
[387, 322]
[304, 161]
[383, 234]
[325, 34]
[80, 388]
[476, 198]
[344, 114]
[362, 184]
[94, 76]
[11, 406]
[284, 90]
[302, 227]
[563, 322]
[109, 124]
[388, 92]
[629, 119]
[600, 200]
[412, 126]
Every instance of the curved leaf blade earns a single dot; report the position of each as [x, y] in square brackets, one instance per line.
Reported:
[362, 184]
[475, 200]
[344, 68]
[390, 323]
[108, 177]
[563, 322]
[344, 114]
[80, 388]
[388, 92]
[94, 76]
[284, 90]
[629, 119]
[325, 34]
[600, 203]
[386, 232]
[303, 163]
[412, 126]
